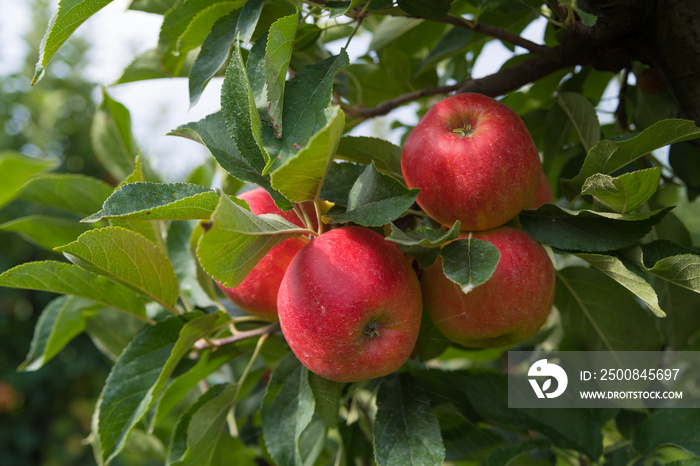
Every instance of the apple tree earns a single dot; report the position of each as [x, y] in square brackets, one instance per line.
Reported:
[609, 96]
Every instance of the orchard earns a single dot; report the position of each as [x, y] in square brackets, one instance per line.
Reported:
[313, 295]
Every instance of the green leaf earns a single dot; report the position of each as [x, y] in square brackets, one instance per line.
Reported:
[338, 8]
[683, 158]
[198, 431]
[194, 17]
[558, 130]
[61, 320]
[143, 67]
[376, 199]
[179, 235]
[301, 178]
[623, 193]
[327, 395]
[202, 23]
[616, 269]
[212, 55]
[583, 115]
[608, 156]
[367, 150]
[504, 455]
[469, 262]
[45, 231]
[287, 408]
[278, 53]
[683, 318]
[158, 201]
[406, 431]
[339, 180]
[450, 44]
[159, 7]
[140, 374]
[128, 258]
[599, 314]
[586, 230]
[70, 15]
[248, 20]
[63, 278]
[671, 262]
[306, 97]
[236, 240]
[430, 9]
[111, 137]
[111, 331]
[15, 170]
[241, 114]
[212, 132]
[669, 427]
[208, 362]
[487, 393]
[74, 193]
[146, 228]
[390, 29]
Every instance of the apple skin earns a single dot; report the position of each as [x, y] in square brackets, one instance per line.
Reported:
[543, 194]
[474, 160]
[350, 305]
[509, 308]
[257, 293]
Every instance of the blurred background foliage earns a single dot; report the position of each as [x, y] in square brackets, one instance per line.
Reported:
[45, 415]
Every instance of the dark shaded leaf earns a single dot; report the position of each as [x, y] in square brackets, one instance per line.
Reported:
[586, 230]
[406, 431]
[287, 409]
[599, 314]
[61, 320]
[469, 262]
[376, 199]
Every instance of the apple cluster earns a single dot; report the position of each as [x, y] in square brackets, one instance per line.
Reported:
[350, 303]
[475, 162]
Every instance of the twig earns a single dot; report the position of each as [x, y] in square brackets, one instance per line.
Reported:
[621, 110]
[504, 35]
[499, 83]
[557, 9]
[240, 336]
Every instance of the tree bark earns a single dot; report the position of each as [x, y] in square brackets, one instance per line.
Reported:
[672, 47]
[664, 34]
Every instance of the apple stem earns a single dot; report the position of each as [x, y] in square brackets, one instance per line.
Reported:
[372, 330]
[319, 220]
[464, 131]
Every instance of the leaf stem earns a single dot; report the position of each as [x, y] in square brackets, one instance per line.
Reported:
[231, 417]
[258, 346]
[303, 216]
[185, 302]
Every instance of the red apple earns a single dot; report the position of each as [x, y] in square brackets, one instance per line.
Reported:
[474, 160]
[543, 194]
[257, 293]
[350, 305]
[508, 308]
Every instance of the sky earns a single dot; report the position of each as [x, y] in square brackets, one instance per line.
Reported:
[118, 35]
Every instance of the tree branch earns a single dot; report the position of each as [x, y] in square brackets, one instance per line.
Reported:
[499, 83]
